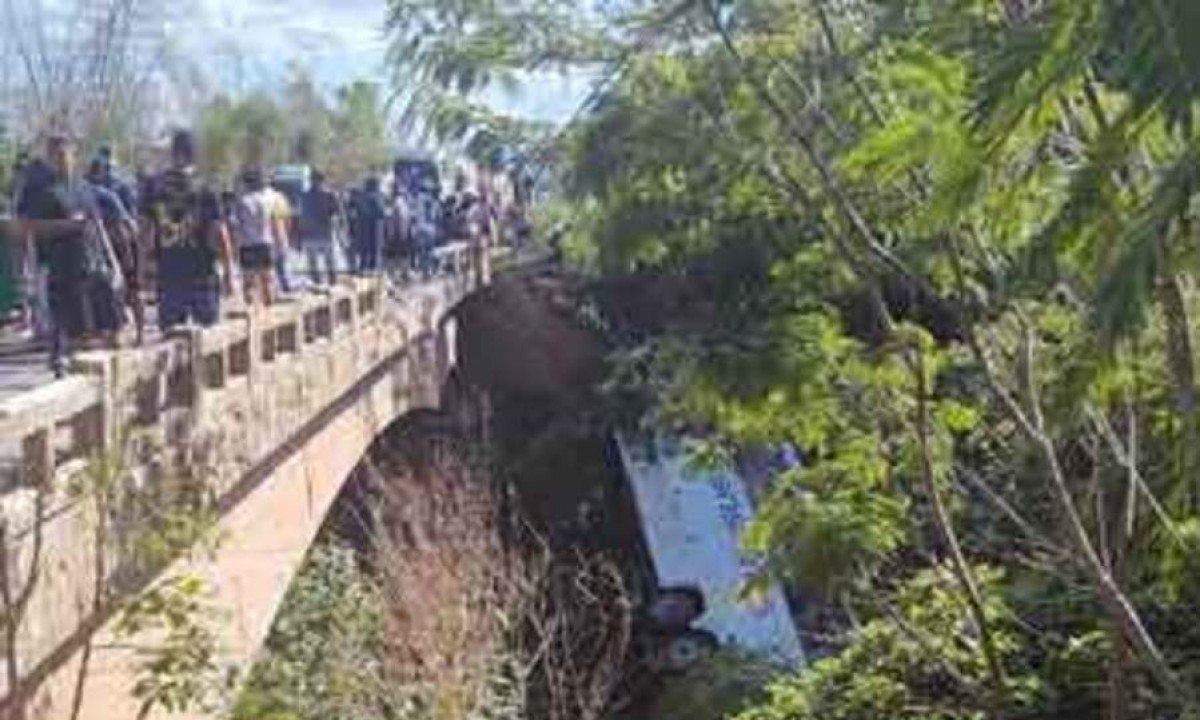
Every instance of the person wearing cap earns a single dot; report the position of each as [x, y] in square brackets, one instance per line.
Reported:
[191, 241]
[261, 235]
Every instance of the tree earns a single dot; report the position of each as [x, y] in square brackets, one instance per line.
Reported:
[359, 132]
[311, 119]
[347, 138]
[251, 130]
[8, 156]
[84, 66]
[444, 56]
[323, 656]
[939, 246]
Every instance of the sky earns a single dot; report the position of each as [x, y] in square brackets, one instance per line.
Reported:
[338, 40]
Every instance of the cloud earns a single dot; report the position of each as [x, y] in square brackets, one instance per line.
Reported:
[337, 39]
[250, 43]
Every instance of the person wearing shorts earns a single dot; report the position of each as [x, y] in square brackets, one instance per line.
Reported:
[281, 210]
[260, 236]
[190, 239]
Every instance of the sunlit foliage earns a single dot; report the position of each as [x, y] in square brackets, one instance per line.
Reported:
[946, 250]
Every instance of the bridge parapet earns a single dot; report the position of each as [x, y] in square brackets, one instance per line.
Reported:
[224, 403]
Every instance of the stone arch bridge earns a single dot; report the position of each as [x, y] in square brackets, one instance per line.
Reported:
[259, 420]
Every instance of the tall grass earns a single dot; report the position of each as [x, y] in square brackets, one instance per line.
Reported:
[483, 618]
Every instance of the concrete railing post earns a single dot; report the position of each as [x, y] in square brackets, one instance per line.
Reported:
[38, 456]
[193, 351]
[254, 343]
[100, 426]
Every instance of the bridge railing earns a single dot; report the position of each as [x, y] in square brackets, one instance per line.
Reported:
[51, 428]
[218, 400]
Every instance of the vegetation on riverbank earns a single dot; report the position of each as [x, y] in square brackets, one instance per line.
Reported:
[418, 604]
[945, 249]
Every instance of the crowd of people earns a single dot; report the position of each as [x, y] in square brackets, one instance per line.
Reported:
[91, 248]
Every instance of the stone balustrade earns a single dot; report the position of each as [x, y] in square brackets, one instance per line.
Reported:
[219, 406]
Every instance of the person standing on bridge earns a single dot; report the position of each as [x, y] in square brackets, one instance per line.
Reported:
[281, 210]
[424, 232]
[320, 212]
[190, 238]
[397, 249]
[61, 217]
[261, 235]
[114, 181]
[30, 172]
[369, 218]
[123, 232]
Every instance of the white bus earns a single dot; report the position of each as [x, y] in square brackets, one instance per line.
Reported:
[692, 523]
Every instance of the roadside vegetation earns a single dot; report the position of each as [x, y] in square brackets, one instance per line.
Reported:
[946, 250]
[345, 133]
[424, 602]
[115, 74]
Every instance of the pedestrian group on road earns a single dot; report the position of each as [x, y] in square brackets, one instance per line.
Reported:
[87, 246]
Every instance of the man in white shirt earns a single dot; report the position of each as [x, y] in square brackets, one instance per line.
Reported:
[261, 236]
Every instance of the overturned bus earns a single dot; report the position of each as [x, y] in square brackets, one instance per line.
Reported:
[692, 570]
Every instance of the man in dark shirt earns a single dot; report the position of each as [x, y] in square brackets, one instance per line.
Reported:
[109, 178]
[190, 238]
[370, 214]
[30, 173]
[123, 233]
[319, 211]
[55, 209]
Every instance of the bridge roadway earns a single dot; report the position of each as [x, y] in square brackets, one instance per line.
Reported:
[266, 414]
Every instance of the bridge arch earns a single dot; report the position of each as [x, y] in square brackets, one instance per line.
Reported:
[280, 406]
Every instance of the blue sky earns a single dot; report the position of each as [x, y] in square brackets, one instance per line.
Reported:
[338, 40]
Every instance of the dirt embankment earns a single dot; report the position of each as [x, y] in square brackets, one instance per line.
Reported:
[522, 337]
[525, 347]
